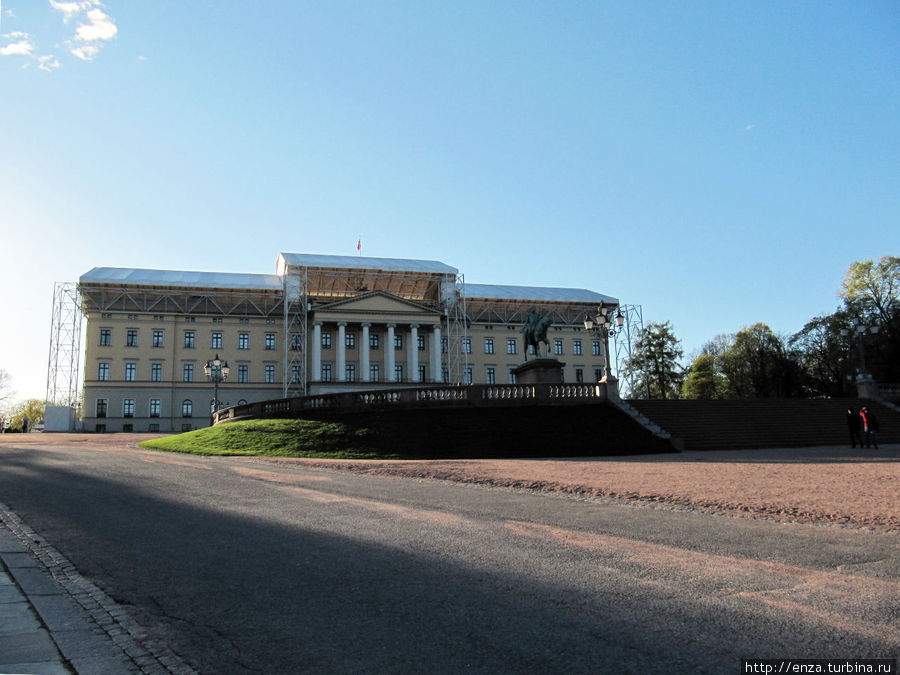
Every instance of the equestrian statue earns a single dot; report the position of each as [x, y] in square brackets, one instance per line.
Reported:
[534, 332]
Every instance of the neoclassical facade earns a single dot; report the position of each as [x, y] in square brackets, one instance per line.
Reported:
[319, 324]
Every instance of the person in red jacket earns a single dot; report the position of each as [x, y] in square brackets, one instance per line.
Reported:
[854, 424]
[870, 427]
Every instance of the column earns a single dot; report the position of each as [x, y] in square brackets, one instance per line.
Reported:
[412, 353]
[436, 354]
[316, 365]
[389, 354]
[341, 365]
[364, 353]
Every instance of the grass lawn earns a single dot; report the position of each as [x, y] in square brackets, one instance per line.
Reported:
[276, 438]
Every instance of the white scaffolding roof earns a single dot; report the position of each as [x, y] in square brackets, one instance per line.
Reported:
[535, 294]
[181, 279]
[360, 263]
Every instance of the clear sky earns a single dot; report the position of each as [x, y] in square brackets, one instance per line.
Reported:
[719, 163]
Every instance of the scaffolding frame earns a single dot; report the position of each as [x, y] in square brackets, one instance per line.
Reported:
[296, 324]
[454, 302]
[626, 339]
[64, 360]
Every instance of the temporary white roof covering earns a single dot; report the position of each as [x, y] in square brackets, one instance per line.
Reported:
[535, 294]
[182, 279]
[361, 263]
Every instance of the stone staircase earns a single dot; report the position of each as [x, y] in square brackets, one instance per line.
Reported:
[762, 423]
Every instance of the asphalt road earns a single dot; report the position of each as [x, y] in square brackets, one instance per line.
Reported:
[245, 566]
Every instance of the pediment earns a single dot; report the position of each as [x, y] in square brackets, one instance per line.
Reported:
[375, 303]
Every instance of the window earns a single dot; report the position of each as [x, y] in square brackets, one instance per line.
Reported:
[156, 372]
[598, 374]
[579, 375]
[130, 372]
[467, 345]
[445, 375]
[187, 372]
[217, 319]
[490, 375]
[595, 347]
[103, 372]
[242, 401]
[127, 428]
[398, 372]
[186, 427]
[270, 373]
[296, 343]
[105, 337]
[398, 342]
[216, 341]
[421, 374]
[326, 340]
[243, 340]
[467, 376]
[152, 428]
[420, 342]
[511, 346]
[131, 338]
[576, 347]
[243, 372]
[374, 341]
[531, 350]
[374, 372]
[270, 341]
[512, 376]
[488, 345]
[158, 338]
[188, 339]
[445, 345]
[557, 347]
[350, 340]
[350, 372]
[128, 407]
[246, 321]
[295, 373]
[155, 407]
[326, 372]
[187, 408]
[101, 407]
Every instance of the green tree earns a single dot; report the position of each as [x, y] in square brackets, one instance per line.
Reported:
[824, 356]
[33, 408]
[760, 365]
[703, 380]
[654, 362]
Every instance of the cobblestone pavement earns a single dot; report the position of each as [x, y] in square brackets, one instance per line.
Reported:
[53, 620]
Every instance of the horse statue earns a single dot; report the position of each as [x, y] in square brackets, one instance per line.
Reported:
[534, 332]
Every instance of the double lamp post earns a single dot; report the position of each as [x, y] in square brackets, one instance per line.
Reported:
[217, 371]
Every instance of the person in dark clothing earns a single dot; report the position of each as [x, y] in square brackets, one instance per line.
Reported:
[854, 424]
[870, 427]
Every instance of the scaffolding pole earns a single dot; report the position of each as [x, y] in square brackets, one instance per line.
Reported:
[63, 364]
[625, 341]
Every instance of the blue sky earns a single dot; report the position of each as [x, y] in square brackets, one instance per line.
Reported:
[719, 163]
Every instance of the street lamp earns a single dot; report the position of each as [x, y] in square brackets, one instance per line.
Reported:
[216, 371]
[858, 330]
[602, 323]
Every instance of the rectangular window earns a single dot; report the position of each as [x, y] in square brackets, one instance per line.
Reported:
[374, 341]
[188, 339]
[103, 372]
[350, 340]
[420, 342]
[398, 342]
[295, 373]
[467, 376]
[579, 375]
[186, 427]
[243, 340]
[153, 428]
[101, 407]
[511, 347]
[557, 346]
[105, 337]
[130, 372]
[488, 345]
[490, 375]
[296, 343]
[127, 428]
[216, 340]
[326, 340]
[270, 341]
[243, 372]
[270, 373]
[512, 377]
[128, 407]
[467, 345]
[187, 372]
[576, 347]
[158, 338]
[326, 372]
[595, 347]
[421, 373]
[131, 338]
[156, 372]
[350, 372]
[598, 374]
[374, 372]
[155, 407]
[398, 372]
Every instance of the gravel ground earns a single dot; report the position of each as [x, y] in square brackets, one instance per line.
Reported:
[833, 484]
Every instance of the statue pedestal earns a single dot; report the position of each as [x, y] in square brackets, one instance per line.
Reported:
[539, 371]
[866, 387]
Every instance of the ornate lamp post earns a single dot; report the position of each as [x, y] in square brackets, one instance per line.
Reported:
[859, 330]
[216, 371]
[602, 323]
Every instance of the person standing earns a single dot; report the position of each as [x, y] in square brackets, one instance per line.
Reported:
[854, 424]
[870, 427]
[25, 424]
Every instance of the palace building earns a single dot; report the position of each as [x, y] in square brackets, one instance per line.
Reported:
[319, 324]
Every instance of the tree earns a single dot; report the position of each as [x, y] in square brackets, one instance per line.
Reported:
[6, 392]
[760, 365]
[825, 357]
[33, 408]
[703, 380]
[654, 362]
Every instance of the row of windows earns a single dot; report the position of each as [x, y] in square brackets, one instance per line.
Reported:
[185, 319]
[512, 346]
[190, 339]
[375, 341]
[187, 372]
[154, 407]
